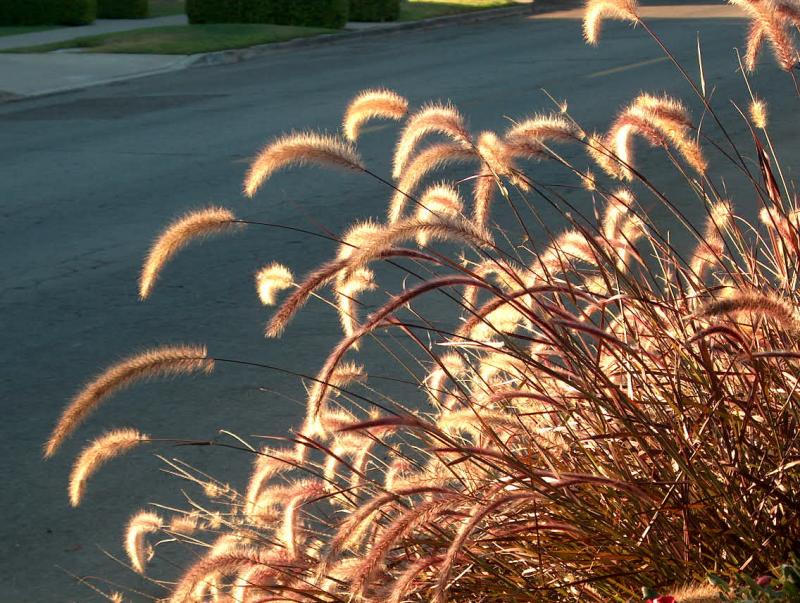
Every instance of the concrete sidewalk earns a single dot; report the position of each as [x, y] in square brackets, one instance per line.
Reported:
[23, 75]
[99, 27]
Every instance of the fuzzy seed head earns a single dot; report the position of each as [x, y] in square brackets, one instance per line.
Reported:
[370, 104]
[356, 237]
[758, 113]
[544, 128]
[300, 149]
[771, 21]
[100, 451]
[432, 158]
[597, 10]
[439, 199]
[442, 228]
[140, 525]
[271, 280]
[434, 118]
[347, 290]
[166, 361]
[193, 226]
[767, 305]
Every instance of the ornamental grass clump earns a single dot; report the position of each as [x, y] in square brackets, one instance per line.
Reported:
[598, 414]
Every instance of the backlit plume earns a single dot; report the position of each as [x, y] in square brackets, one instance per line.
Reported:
[662, 121]
[370, 104]
[438, 200]
[140, 525]
[711, 248]
[348, 287]
[541, 129]
[190, 227]
[771, 21]
[358, 235]
[758, 113]
[299, 149]
[435, 118]
[159, 362]
[319, 393]
[271, 280]
[434, 157]
[597, 10]
[99, 452]
[441, 228]
[766, 305]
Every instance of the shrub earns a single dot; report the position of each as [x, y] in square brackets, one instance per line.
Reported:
[310, 13]
[374, 10]
[123, 9]
[31, 12]
[75, 12]
[214, 11]
[46, 12]
[604, 414]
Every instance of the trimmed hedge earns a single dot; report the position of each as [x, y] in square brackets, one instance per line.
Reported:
[374, 10]
[123, 9]
[32, 12]
[47, 12]
[214, 11]
[75, 12]
[310, 13]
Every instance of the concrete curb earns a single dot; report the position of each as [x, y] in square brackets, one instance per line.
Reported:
[237, 55]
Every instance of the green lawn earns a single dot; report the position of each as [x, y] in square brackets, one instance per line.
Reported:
[183, 39]
[412, 10]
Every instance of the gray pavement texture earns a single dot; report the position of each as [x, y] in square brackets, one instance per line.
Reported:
[89, 178]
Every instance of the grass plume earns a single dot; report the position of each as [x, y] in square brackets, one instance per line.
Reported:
[433, 118]
[271, 280]
[598, 10]
[370, 104]
[103, 449]
[298, 149]
[190, 227]
[140, 525]
[157, 362]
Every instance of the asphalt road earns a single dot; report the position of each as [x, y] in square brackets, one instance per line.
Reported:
[87, 179]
